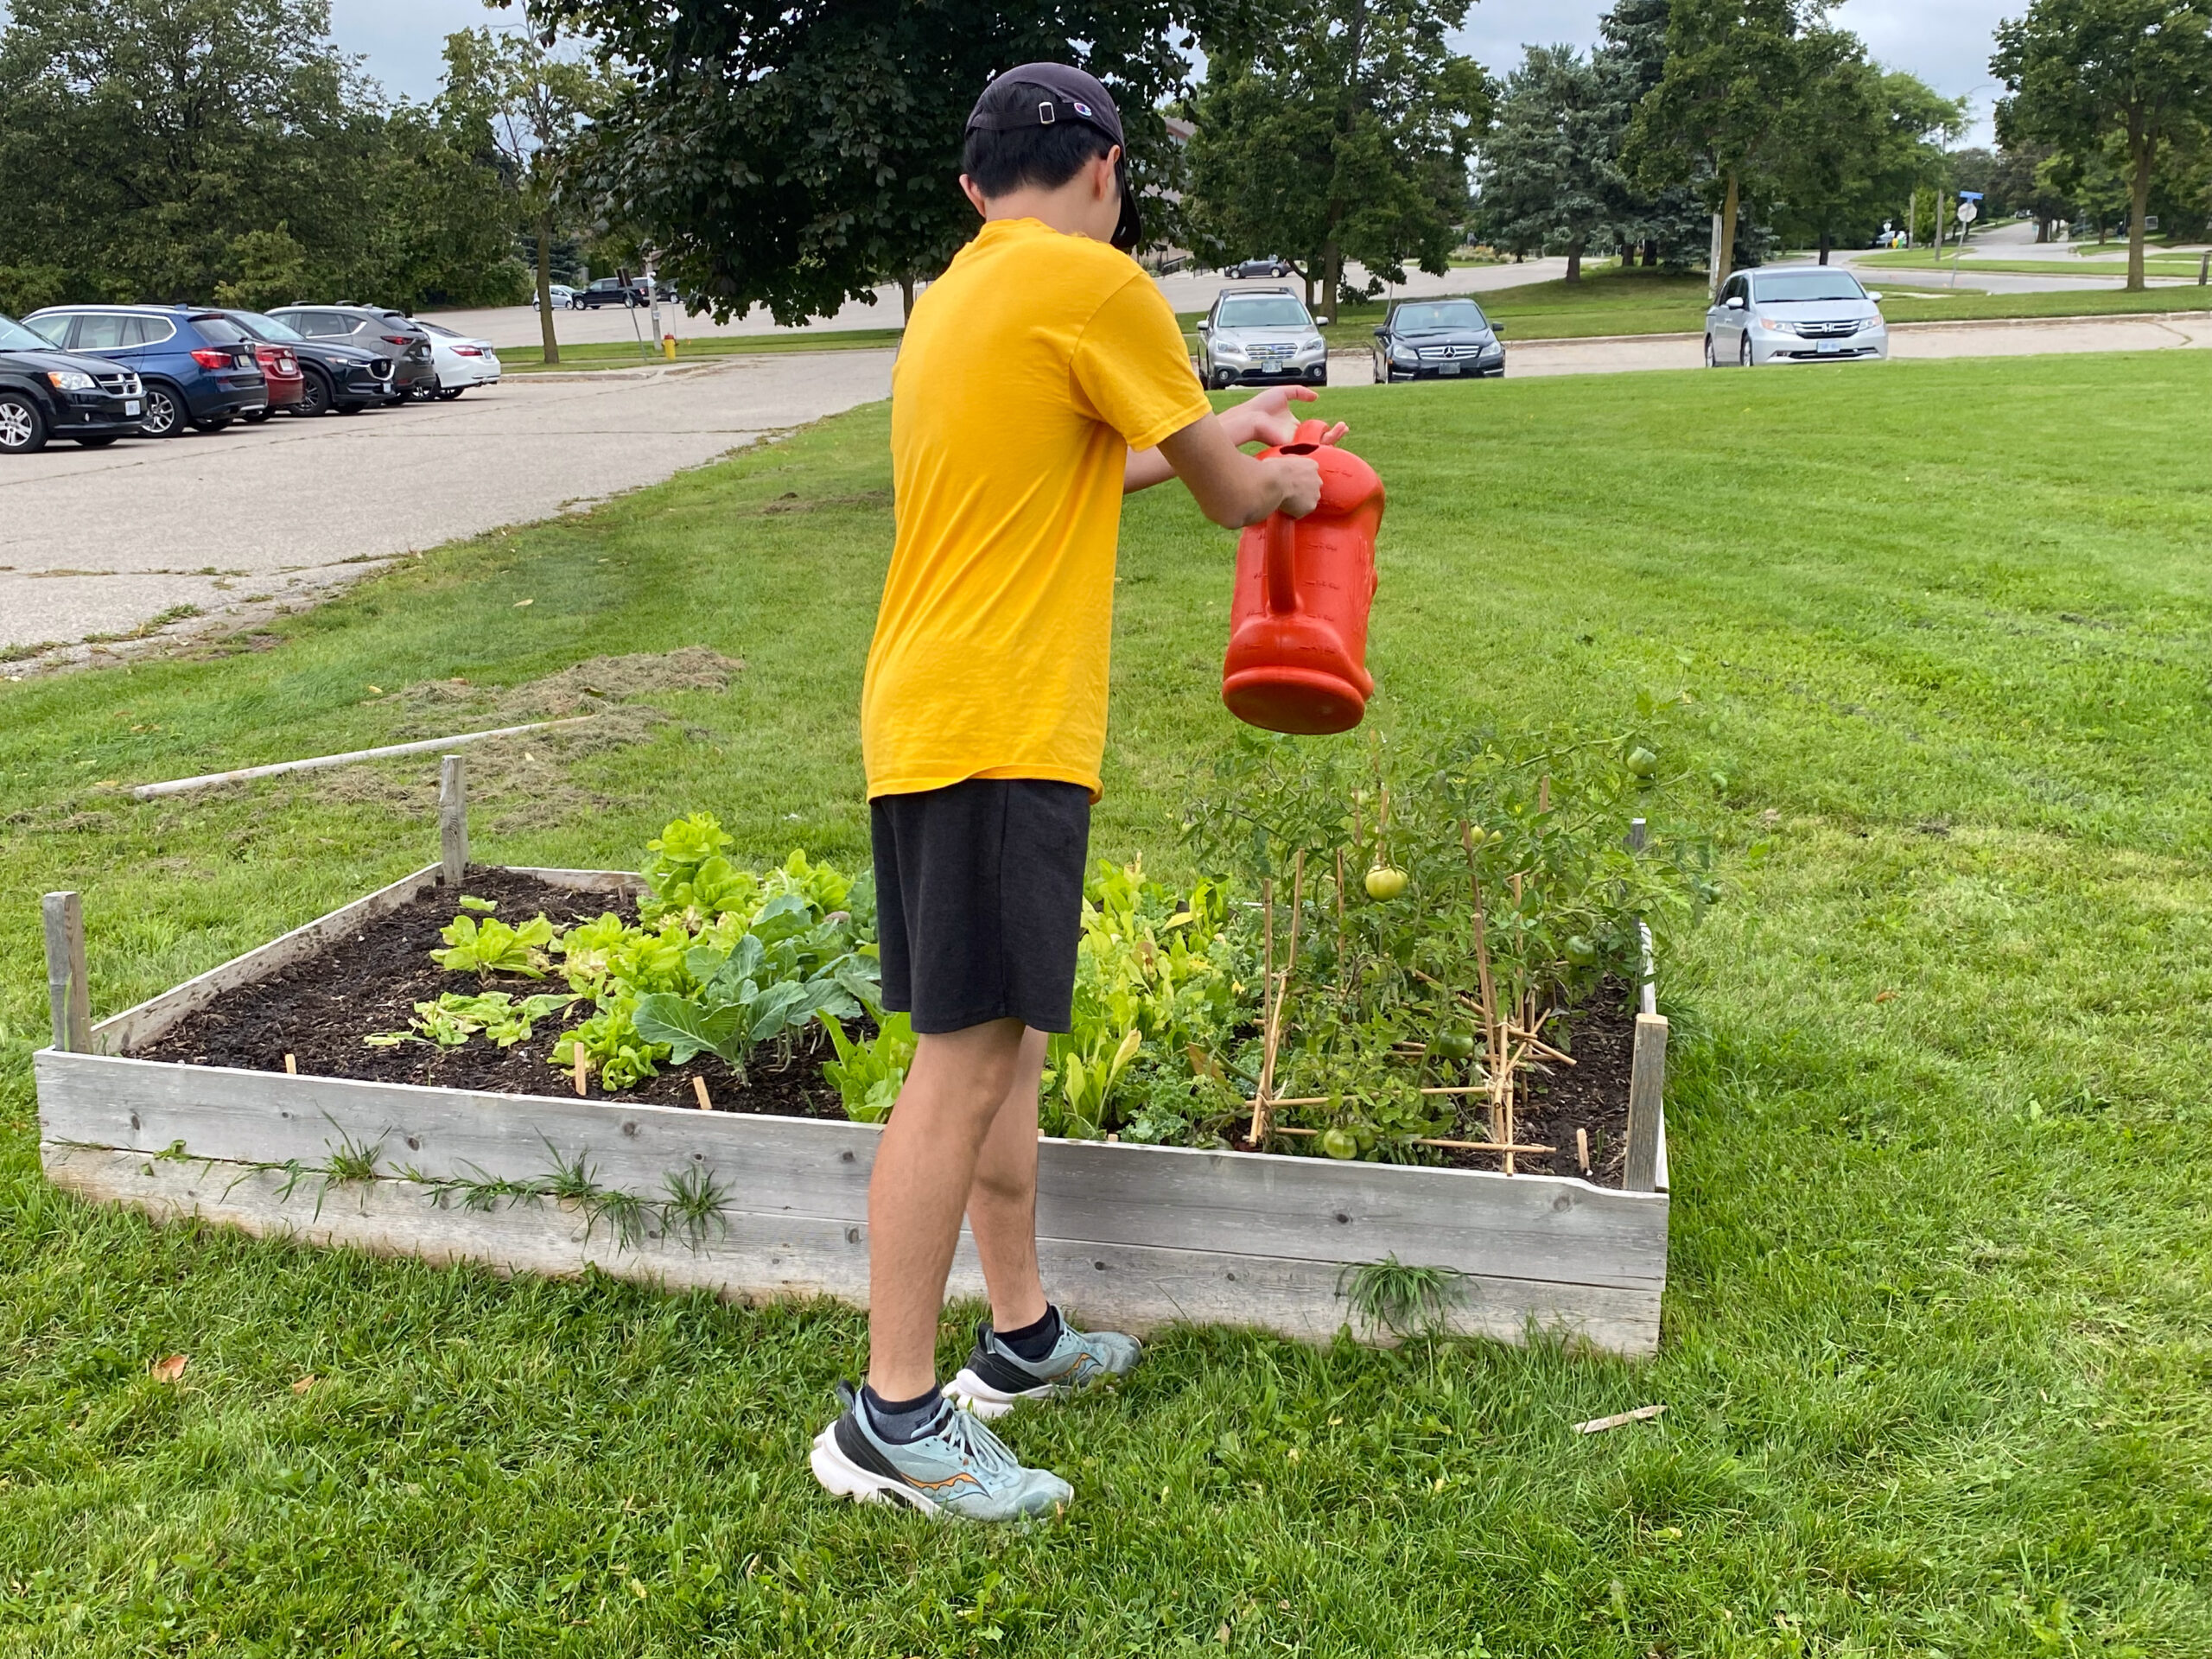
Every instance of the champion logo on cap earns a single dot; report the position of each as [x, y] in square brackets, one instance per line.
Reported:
[1079, 108]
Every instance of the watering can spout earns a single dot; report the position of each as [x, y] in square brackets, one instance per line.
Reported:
[1297, 658]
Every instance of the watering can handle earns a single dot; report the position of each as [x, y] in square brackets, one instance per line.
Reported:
[1283, 578]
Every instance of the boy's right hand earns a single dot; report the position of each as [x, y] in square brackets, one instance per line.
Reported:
[1299, 479]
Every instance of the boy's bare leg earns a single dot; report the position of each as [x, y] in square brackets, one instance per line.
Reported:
[1002, 1203]
[924, 1170]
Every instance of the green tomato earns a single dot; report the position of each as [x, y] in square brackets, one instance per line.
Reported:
[1642, 763]
[1339, 1143]
[1456, 1045]
[1580, 951]
[1385, 881]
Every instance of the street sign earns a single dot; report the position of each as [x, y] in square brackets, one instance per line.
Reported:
[1968, 213]
[1969, 195]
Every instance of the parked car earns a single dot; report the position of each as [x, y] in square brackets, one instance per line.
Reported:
[609, 290]
[461, 362]
[332, 376]
[196, 364]
[280, 371]
[1433, 340]
[48, 394]
[1794, 314]
[1272, 264]
[560, 293]
[1261, 337]
[372, 328]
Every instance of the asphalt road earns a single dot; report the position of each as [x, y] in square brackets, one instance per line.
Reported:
[100, 542]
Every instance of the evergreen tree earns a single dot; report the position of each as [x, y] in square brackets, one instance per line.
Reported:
[1670, 222]
[1550, 174]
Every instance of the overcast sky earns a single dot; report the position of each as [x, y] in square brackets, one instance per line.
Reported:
[1946, 42]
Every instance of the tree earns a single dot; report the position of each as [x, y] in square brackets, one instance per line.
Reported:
[1669, 221]
[225, 150]
[1550, 173]
[1718, 114]
[2135, 74]
[1340, 131]
[536, 108]
[1861, 140]
[799, 154]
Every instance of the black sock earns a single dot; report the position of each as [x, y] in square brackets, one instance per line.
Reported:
[1035, 1340]
[901, 1422]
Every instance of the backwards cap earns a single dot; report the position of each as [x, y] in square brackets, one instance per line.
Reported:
[1012, 102]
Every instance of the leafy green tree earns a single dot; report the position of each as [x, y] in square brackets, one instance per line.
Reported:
[1338, 131]
[1722, 113]
[1550, 173]
[2134, 75]
[535, 107]
[1669, 220]
[1861, 140]
[205, 149]
[799, 154]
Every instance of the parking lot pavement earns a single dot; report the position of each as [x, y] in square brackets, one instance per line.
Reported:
[106, 542]
[511, 326]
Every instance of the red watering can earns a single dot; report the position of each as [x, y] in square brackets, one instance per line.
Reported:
[1296, 655]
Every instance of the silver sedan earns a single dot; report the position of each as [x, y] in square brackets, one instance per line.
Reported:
[1794, 314]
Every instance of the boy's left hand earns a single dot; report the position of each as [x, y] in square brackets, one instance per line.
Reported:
[1267, 418]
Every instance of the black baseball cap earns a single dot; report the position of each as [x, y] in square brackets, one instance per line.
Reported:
[1007, 105]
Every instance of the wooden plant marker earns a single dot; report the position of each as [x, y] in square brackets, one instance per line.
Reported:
[584, 1066]
[1582, 1149]
[291, 1065]
[699, 1090]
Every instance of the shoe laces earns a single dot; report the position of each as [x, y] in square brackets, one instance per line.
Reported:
[967, 1434]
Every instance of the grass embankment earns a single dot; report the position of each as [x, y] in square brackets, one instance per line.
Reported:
[1935, 1357]
[1613, 301]
[2108, 260]
[622, 355]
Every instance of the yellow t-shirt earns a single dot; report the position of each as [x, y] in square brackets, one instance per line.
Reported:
[1028, 372]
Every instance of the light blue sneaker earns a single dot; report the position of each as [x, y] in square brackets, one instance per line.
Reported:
[995, 1377]
[962, 1469]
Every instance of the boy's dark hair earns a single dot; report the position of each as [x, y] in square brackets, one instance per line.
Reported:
[1048, 157]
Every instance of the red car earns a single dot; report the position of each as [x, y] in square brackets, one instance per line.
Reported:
[287, 386]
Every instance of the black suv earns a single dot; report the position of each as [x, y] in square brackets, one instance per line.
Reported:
[610, 290]
[334, 375]
[374, 329]
[50, 394]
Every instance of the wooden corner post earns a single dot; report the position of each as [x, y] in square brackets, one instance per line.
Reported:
[453, 820]
[1647, 1085]
[65, 988]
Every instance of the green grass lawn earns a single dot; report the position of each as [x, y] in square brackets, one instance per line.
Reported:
[1938, 1341]
[600, 354]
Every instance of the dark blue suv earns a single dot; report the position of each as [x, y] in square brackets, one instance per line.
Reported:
[197, 365]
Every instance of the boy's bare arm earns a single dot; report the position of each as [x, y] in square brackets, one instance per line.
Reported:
[1233, 488]
[1264, 419]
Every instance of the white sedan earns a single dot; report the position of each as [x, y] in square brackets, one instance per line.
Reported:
[461, 361]
[1794, 314]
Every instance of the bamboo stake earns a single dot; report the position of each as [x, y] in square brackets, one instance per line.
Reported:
[1426, 1140]
[1544, 793]
[1266, 1009]
[1261, 1104]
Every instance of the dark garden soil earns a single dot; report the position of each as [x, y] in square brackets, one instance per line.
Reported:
[319, 1010]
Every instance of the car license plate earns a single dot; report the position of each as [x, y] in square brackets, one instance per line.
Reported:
[1830, 348]
[1447, 368]
[130, 406]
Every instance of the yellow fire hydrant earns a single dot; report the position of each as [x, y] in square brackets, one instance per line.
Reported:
[668, 347]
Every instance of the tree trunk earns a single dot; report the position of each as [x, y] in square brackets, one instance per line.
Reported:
[1726, 264]
[2141, 152]
[1650, 252]
[1827, 241]
[1574, 264]
[551, 344]
[905, 297]
[1332, 274]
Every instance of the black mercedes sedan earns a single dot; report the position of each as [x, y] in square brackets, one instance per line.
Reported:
[50, 394]
[1438, 340]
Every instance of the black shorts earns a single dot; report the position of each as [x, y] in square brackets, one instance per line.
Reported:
[979, 900]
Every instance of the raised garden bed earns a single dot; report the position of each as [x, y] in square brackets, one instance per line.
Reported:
[178, 1108]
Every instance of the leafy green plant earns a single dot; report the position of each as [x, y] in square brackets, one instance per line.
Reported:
[774, 979]
[867, 1075]
[453, 1018]
[490, 946]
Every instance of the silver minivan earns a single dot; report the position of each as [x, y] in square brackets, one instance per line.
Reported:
[1794, 314]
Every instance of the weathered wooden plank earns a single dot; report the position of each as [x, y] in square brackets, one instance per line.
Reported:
[452, 819]
[611, 881]
[119, 1033]
[1647, 1081]
[1521, 1227]
[66, 990]
[1136, 1287]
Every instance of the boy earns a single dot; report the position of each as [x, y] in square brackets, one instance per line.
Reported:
[1041, 377]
